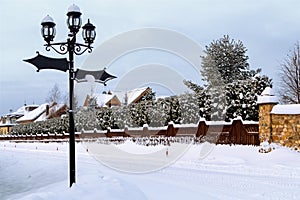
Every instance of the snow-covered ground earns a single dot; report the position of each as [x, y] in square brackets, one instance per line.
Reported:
[38, 171]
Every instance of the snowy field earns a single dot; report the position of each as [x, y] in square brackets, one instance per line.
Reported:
[36, 171]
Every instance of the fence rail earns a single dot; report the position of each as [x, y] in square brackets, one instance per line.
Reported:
[234, 133]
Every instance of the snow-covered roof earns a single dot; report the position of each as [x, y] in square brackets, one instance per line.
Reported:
[52, 109]
[34, 114]
[132, 95]
[103, 99]
[267, 96]
[8, 119]
[291, 109]
[22, 110]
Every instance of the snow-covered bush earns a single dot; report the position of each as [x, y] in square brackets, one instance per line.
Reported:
[54, 125]
[158, 114]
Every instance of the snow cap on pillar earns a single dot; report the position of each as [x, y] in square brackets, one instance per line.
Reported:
[267, 97]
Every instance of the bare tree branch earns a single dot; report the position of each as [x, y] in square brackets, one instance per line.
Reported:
[290, 77]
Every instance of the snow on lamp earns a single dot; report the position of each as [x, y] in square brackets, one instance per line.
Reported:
[74, 19]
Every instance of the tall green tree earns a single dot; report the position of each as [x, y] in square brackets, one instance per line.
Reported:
[225, 61]
[231, 88]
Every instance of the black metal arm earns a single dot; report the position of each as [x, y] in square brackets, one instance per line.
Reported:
[64, 47]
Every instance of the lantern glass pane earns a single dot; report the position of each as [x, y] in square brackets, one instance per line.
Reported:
[74, 23]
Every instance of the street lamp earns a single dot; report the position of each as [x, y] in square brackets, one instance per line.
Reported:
[71, 47]
[74, 20]
[48, 30]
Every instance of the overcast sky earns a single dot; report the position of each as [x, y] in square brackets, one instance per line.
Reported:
[268, 29]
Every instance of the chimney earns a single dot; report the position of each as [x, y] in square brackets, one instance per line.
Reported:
[47, 110]
[126, 99]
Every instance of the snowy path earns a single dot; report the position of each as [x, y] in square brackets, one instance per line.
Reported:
[236, 172]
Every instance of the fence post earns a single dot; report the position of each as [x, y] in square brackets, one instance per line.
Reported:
[239, 132]
[145, 130]
[108, 134]
[236, 129]
[170, 130]
[202, 128]
[126, 130]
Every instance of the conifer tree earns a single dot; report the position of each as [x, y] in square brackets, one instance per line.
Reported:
[231, 87]
[225, 60]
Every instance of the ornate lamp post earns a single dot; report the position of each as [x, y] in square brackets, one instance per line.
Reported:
[71, 47]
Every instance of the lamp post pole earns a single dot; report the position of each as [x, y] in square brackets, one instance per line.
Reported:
[71, 47]
[72, 158]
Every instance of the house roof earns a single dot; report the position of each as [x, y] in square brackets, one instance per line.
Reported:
[133, 96]
[6, 120]
[104, 99]
[117, 98]
[34, 114]
[52, 110]
[22, 110]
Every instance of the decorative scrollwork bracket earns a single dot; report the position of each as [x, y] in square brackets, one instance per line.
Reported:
[60, 48]
[64, 47]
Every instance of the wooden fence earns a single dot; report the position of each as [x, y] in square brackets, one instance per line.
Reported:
[222, 133]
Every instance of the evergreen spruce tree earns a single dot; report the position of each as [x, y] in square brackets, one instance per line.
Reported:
[189, 109]
[225, 60]
[242, 96]
[173, 110]
[231, 88]
[157, 115]
[192, 86]
[122, 116]
[140, 113]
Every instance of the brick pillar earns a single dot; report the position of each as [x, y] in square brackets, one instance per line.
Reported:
[265, 121]
[266, 101]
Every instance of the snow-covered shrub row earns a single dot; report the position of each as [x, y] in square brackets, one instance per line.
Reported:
[183, 109]
[154, 113]
[86, 118]
[54, 125]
